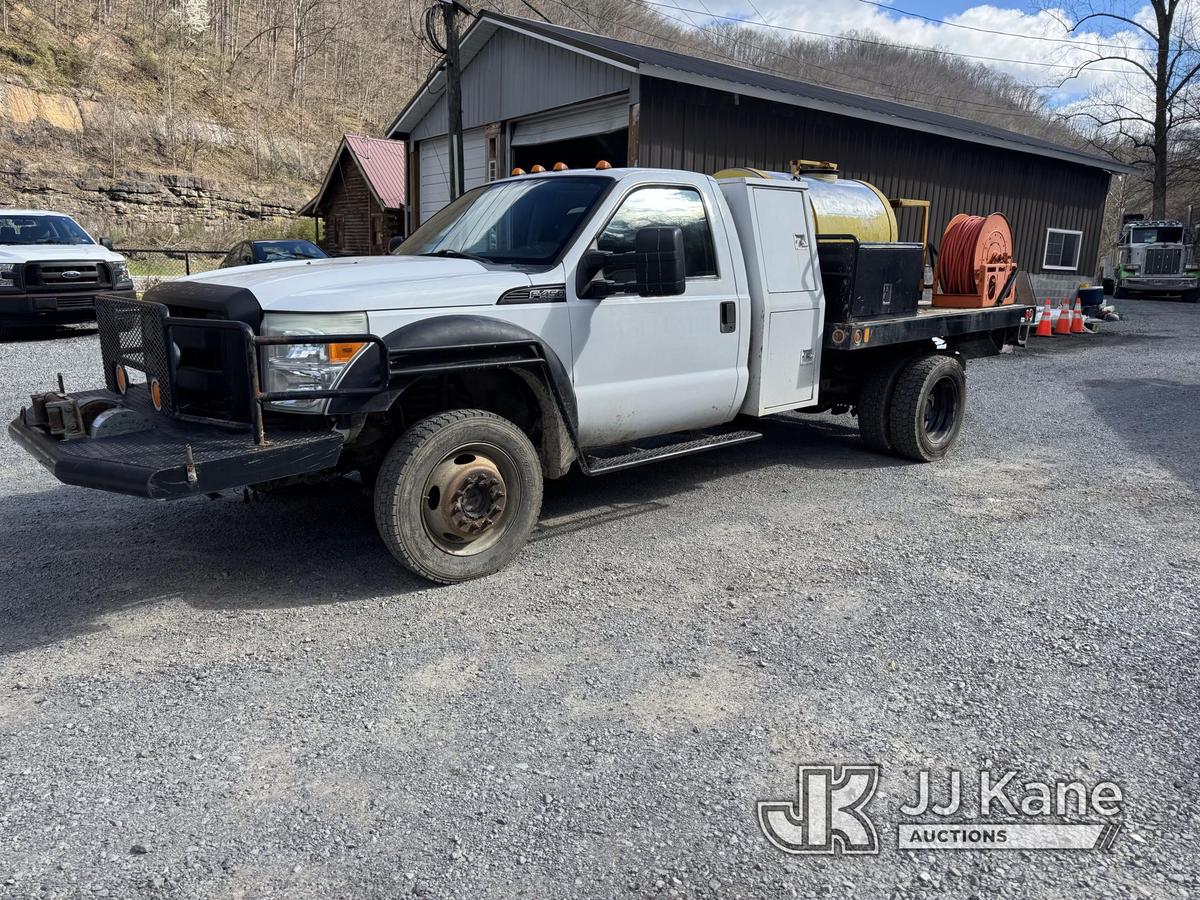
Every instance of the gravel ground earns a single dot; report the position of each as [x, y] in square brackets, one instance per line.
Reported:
[219, 699]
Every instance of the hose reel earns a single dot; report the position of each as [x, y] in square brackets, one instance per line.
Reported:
[975, 262]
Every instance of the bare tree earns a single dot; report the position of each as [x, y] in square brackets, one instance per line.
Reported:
[1158, 101]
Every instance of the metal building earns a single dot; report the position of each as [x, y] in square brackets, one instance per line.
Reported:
[539, 93]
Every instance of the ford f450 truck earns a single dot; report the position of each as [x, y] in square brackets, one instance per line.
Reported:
[602, 319]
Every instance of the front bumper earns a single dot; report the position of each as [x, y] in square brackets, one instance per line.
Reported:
[172, 458]
[53, 309]
[1168, 283]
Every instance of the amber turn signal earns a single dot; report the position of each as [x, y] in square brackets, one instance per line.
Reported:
[156, 394]
[121, 377]
[343, 353]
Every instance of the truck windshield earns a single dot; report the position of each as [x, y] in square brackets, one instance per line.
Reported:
[1157, 235]
[41, 230]
[521, 221]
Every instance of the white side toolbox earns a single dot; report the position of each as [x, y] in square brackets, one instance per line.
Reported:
[775, 227]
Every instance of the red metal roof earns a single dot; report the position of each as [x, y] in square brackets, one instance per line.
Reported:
[383, 163]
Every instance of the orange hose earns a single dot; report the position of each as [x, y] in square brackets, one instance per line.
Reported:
[956, 263]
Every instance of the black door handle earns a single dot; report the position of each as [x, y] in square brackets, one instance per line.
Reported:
[728, 316]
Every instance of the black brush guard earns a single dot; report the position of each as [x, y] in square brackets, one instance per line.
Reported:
[140, 335]
[177, 452]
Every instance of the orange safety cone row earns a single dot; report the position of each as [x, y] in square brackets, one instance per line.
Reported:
[1077, 318]
[1044, 328]
[1063, 325]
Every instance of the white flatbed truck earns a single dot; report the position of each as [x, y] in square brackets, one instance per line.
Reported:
[603, 319]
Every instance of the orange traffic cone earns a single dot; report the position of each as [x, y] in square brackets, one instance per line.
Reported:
[1077, 319]
[1044, 328]
[1063, 325]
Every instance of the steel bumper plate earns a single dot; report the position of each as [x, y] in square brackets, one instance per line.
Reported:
[154, 463]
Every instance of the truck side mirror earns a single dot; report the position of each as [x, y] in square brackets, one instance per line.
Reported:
[396, 241]
[106, 243]
[658, 261]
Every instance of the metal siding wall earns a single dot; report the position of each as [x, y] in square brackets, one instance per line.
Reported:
[703, 130]
[514, 75]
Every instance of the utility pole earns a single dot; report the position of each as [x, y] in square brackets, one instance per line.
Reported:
[450, 10]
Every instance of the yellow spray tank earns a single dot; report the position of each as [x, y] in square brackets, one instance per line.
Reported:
[840, 205]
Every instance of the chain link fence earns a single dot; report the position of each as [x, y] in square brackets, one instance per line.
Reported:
[149, 266]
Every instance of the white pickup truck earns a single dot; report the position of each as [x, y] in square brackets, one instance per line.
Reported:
[601, 318]
[51, 269]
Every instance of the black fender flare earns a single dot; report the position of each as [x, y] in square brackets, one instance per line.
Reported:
[454, 343]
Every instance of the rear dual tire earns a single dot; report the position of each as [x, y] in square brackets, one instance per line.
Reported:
[913, 407]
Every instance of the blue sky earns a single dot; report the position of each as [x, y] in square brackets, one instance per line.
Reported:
[1032, 45]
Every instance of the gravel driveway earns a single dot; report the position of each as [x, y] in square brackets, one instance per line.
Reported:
[221, 699]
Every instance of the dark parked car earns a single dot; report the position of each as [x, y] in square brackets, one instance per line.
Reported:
[249, 252]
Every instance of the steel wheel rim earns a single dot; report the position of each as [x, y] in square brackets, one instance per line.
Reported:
[470, 498]
[941, 409]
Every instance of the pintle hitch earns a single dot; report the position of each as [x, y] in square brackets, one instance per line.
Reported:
[59, 415]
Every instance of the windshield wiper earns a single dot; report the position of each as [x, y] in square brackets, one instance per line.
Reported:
[457, 254]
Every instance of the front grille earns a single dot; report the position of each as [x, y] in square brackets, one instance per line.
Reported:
[1163, 261]
[67, 276]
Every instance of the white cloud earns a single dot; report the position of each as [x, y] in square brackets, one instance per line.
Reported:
[1011, 52]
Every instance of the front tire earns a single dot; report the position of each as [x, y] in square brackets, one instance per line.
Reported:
[458, 494]
[927, 410]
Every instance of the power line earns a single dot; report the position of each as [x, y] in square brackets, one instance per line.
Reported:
[874, 43]
[1028, 37]
[534, 9]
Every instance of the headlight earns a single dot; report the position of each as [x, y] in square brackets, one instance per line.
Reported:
[8, 274]
[120, 273]
[309, 367]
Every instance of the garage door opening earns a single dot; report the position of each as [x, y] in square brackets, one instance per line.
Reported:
[578, 137]
[577, 153]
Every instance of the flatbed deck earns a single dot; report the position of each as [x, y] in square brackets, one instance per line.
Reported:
[928, 322]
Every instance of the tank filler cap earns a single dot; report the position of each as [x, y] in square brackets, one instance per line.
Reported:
[813, 167]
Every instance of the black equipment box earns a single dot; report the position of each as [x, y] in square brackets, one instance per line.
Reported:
[869, 280]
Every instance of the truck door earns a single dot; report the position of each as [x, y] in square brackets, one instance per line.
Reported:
[653, 365]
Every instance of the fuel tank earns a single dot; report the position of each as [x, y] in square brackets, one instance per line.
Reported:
[840, 205]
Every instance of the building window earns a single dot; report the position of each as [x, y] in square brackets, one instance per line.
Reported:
[1062, 249]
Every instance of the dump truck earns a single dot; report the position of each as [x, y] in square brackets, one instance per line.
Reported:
[595, 320]
[1152, 258]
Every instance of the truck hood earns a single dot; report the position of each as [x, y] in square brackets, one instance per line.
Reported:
[353, 284]
[19, 253]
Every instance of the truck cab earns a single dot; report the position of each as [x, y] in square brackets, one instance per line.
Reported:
[1152, 258]
[51, 269]
[591, 319]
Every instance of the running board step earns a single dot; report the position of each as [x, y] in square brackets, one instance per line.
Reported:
[698, 442]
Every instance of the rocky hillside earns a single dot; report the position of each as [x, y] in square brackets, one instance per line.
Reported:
[162, 122]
